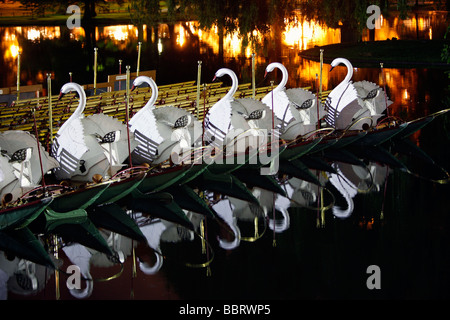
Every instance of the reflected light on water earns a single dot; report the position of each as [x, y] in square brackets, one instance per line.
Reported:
[14, 50]
[118, 33]
[181, 37]
[306, 35]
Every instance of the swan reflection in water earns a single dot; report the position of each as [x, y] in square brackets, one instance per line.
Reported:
[23, 277]
[350, 180]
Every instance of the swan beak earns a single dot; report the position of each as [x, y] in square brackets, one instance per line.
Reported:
[60, 95]
[265, 74]
[133, 87]
[331, 69]
[214, 79]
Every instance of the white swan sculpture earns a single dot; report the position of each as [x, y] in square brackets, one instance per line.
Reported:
[144, 126]
[297, 109]
[86, 146]
[20, 164]
[231, 119]
[162, 131]
[356, 106]
[218, 118]
[343, 101]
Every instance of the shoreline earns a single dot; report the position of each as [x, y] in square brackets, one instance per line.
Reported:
[61, 20]
[392, 53]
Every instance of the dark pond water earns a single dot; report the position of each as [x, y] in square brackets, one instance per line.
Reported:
[398, 221]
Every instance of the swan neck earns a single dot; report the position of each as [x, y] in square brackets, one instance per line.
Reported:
[234, 85]
[284, 78]
[152, 100]
[82, 100]
[349, 75]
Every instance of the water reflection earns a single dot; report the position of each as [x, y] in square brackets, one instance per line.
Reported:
[418, 25]
[120, 42]
[145, 265]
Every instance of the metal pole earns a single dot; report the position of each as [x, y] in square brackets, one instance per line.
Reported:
[56, 255]
[120, 72]
[253, 76]
[321, 69]
[320, 88]
[273, 113]
[127, 114]
[127, 86]
[50, 110]
[18, 75]
[95, 70]
[139, 58]
[384, 85]
[199, 77]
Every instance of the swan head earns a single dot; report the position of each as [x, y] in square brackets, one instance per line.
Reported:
[338, 61]
[142, 80]
[272, 66]
[223, 71]
[68, 87]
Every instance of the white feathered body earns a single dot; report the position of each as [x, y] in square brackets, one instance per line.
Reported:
[374, 99]
[217, 123]
[80, 153]
[145, 128]
[251, 124]
[180, 132]
[296, 110]
[11, 179]
[342, 105]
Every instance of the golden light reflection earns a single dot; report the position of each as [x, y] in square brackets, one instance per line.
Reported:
[14, 50]
[37, 33]
[77, 33]
[387, 30]
[232, 42]
[411, 27]
[307, 34]
[181, 36]
[405, 94]
[118, 33]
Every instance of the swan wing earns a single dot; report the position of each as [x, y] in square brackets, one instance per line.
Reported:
[280, 106]
[305, 104]
[178, 127]
[259, 114]
[170, 114]
[341, 105]
[373, 96]
[102, 124]
[302, 98]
